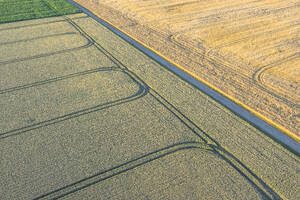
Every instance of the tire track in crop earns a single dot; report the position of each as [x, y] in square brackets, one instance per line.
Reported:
[36, 38]
[122, 168]
[267, 109]
[88, 44]
[142, 91]
[39, 24]
[208, 143]
[234, 162]
[103, 175]
[13, 89]
[220, 153]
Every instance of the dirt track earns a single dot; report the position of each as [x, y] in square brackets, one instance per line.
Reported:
[249, 49]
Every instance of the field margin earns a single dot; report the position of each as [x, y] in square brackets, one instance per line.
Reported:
[272, 129]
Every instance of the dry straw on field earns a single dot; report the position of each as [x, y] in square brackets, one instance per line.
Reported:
[247, 49]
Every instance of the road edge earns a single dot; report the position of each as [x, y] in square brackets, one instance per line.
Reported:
[272, 129]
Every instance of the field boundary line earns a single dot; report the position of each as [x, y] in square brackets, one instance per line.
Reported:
[272, 129]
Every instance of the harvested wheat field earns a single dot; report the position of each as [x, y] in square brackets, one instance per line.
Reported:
[249, 50]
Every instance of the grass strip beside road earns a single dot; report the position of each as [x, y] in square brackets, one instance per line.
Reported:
[18, 10]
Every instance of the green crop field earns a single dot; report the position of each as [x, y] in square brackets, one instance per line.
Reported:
[17, 10]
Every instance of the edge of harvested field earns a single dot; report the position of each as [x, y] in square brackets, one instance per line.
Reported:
[212, 87]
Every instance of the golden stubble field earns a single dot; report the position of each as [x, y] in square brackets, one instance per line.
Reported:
[247, 49]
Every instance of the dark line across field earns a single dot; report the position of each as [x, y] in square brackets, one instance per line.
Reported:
[270, 130]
